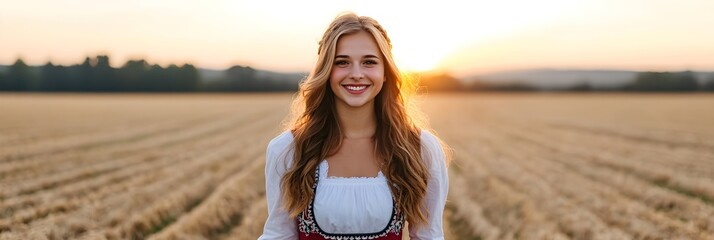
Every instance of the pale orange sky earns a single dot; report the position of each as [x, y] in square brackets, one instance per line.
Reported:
[462, 37]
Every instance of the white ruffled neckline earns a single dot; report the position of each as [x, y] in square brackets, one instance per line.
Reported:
[324, 169]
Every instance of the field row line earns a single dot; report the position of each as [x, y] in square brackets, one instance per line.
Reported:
[607, 203]
[184, 173]
[700, 187]
[156, 159]
[657, 198]
[572, 220]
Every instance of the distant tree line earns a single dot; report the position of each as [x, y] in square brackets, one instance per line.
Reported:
[247, 79]
[658, 82]
[668, 81]
[643, 82]
[96, 75]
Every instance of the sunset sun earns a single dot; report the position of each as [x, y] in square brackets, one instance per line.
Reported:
[425, 39]
[411, 57]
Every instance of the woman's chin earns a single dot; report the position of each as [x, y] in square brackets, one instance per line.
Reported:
[356, 103]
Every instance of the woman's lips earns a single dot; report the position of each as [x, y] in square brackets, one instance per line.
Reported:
[355, 89]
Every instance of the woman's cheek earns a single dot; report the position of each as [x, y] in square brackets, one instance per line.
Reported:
[338, 73]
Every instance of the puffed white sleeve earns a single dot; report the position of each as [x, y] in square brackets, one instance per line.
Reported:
[436, 190]
[279, 224]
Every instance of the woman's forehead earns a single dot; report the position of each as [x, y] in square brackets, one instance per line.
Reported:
[358, 45]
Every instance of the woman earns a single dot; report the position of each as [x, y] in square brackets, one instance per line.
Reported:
[354, 163]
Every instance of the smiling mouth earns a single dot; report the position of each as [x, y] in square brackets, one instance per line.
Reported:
[355, 89]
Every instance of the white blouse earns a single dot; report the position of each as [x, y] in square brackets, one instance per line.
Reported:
[352, 205]
[356, 204]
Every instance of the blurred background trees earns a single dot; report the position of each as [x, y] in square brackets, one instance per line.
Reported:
[664, 81]
[97, 75]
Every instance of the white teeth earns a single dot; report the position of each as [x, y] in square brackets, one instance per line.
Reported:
[355, 88]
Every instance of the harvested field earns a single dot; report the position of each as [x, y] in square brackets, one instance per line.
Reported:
[526, 166]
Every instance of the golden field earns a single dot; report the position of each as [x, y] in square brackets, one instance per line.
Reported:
[526, 166]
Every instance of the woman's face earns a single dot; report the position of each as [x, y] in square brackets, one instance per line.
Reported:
[358, 72]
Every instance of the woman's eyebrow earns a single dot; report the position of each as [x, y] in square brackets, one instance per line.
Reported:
[365, 56]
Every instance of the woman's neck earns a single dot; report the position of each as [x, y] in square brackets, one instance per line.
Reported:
[358, 122]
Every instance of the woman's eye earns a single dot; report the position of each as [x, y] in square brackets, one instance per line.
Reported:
[341, 63]
[370, 62]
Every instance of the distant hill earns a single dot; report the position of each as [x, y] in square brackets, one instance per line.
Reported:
[245, 78]
[565, 78]
[209, 75]
[287, 76]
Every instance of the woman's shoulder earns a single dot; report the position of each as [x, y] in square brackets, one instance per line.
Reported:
[278, 155]
[281, 142]
[432, 148]
[280, 146]
[429, 139]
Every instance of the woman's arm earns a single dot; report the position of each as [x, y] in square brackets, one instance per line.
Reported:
[279, 224]
[436, 190]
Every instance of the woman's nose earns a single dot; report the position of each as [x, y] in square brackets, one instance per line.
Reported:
[356, 72]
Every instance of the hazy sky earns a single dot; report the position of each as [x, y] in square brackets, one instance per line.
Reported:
[462, 37]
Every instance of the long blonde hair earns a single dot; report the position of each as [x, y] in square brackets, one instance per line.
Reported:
[317, 133]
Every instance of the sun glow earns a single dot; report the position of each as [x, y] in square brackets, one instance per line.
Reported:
[424, 35]
[413, 59]
[456, 37]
